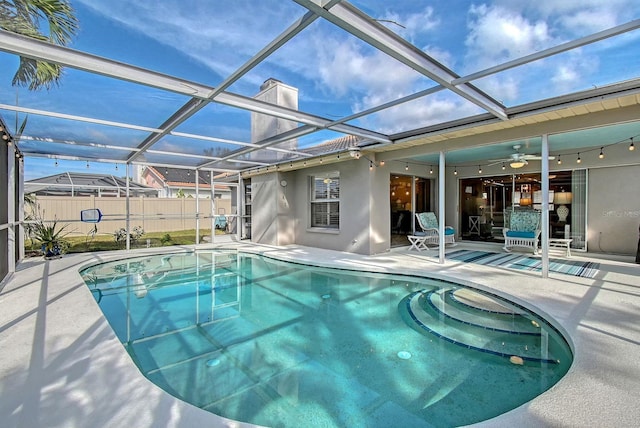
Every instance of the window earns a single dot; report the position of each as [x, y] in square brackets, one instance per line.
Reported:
[325, 200]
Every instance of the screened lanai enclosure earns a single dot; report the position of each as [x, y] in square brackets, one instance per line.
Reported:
[238, 91]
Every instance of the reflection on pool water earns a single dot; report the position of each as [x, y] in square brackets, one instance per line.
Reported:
[281, 344]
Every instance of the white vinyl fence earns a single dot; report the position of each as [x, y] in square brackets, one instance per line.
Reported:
[152, 214]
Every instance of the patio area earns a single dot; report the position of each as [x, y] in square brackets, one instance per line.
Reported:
[63, 365]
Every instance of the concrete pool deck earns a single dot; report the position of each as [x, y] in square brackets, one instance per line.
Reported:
[62, 366]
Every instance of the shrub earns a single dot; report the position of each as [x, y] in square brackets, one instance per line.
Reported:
[120, 235]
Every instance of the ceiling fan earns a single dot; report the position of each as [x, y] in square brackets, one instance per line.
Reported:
[517, 159]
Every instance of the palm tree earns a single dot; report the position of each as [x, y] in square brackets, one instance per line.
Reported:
[32, 18]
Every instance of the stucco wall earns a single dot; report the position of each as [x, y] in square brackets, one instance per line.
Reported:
[272, 222]
[281, 213]
[354, 234]
[613, 209]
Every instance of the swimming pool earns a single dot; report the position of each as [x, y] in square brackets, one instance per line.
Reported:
[283, 344]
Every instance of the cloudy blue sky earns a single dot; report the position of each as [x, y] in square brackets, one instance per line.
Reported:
[336, 74]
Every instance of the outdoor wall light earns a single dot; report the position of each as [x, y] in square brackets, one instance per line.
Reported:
[354, 152]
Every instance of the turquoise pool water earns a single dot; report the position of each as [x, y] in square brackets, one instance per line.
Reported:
[286, 345]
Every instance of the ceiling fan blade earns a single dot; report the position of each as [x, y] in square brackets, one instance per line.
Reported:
[536, 157]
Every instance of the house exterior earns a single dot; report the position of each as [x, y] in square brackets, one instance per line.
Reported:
[176, 182]
[345, 199]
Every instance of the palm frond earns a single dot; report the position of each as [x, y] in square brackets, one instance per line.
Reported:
[29, 17]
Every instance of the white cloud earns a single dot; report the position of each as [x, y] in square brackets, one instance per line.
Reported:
[430, 110]
[579, 17]
[503, 32]
[498, 35]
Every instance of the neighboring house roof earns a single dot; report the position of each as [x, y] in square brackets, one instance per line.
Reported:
[83, 184]
[182, 178]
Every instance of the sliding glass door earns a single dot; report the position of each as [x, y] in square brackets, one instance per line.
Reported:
[407, 195]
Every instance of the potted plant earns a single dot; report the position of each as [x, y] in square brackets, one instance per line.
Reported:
[50, 237]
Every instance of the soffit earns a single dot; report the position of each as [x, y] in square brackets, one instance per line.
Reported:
[544, 117]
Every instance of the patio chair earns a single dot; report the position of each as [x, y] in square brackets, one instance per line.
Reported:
[429, 225]
[522, 230]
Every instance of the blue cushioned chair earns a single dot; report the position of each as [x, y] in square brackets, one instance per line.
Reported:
[522, 230]
[429, 225]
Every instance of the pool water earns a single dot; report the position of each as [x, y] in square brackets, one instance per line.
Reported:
[287, 345]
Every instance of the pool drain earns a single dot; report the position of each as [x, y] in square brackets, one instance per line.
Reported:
[404, 355]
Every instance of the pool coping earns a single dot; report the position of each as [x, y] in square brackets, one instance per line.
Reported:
[65, 367]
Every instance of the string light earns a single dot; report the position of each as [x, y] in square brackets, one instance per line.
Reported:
[370, 166]
[430, 169]
[559, 160]
[87, 164]
[503, 166]
[381, 163]
[406, 168]
[578, 160]
[116, 167]
[631, 146]
[479, 169]
[455, 170]
[601, 155]
[55, 163]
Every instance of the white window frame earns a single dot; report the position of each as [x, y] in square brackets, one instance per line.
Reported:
[331, 196]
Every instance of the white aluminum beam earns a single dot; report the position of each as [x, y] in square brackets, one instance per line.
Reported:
[362, 26]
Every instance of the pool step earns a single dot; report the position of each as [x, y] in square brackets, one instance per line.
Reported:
[505, 333]
[472, 310]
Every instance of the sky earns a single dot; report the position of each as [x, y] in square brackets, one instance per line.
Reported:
[335, 73]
